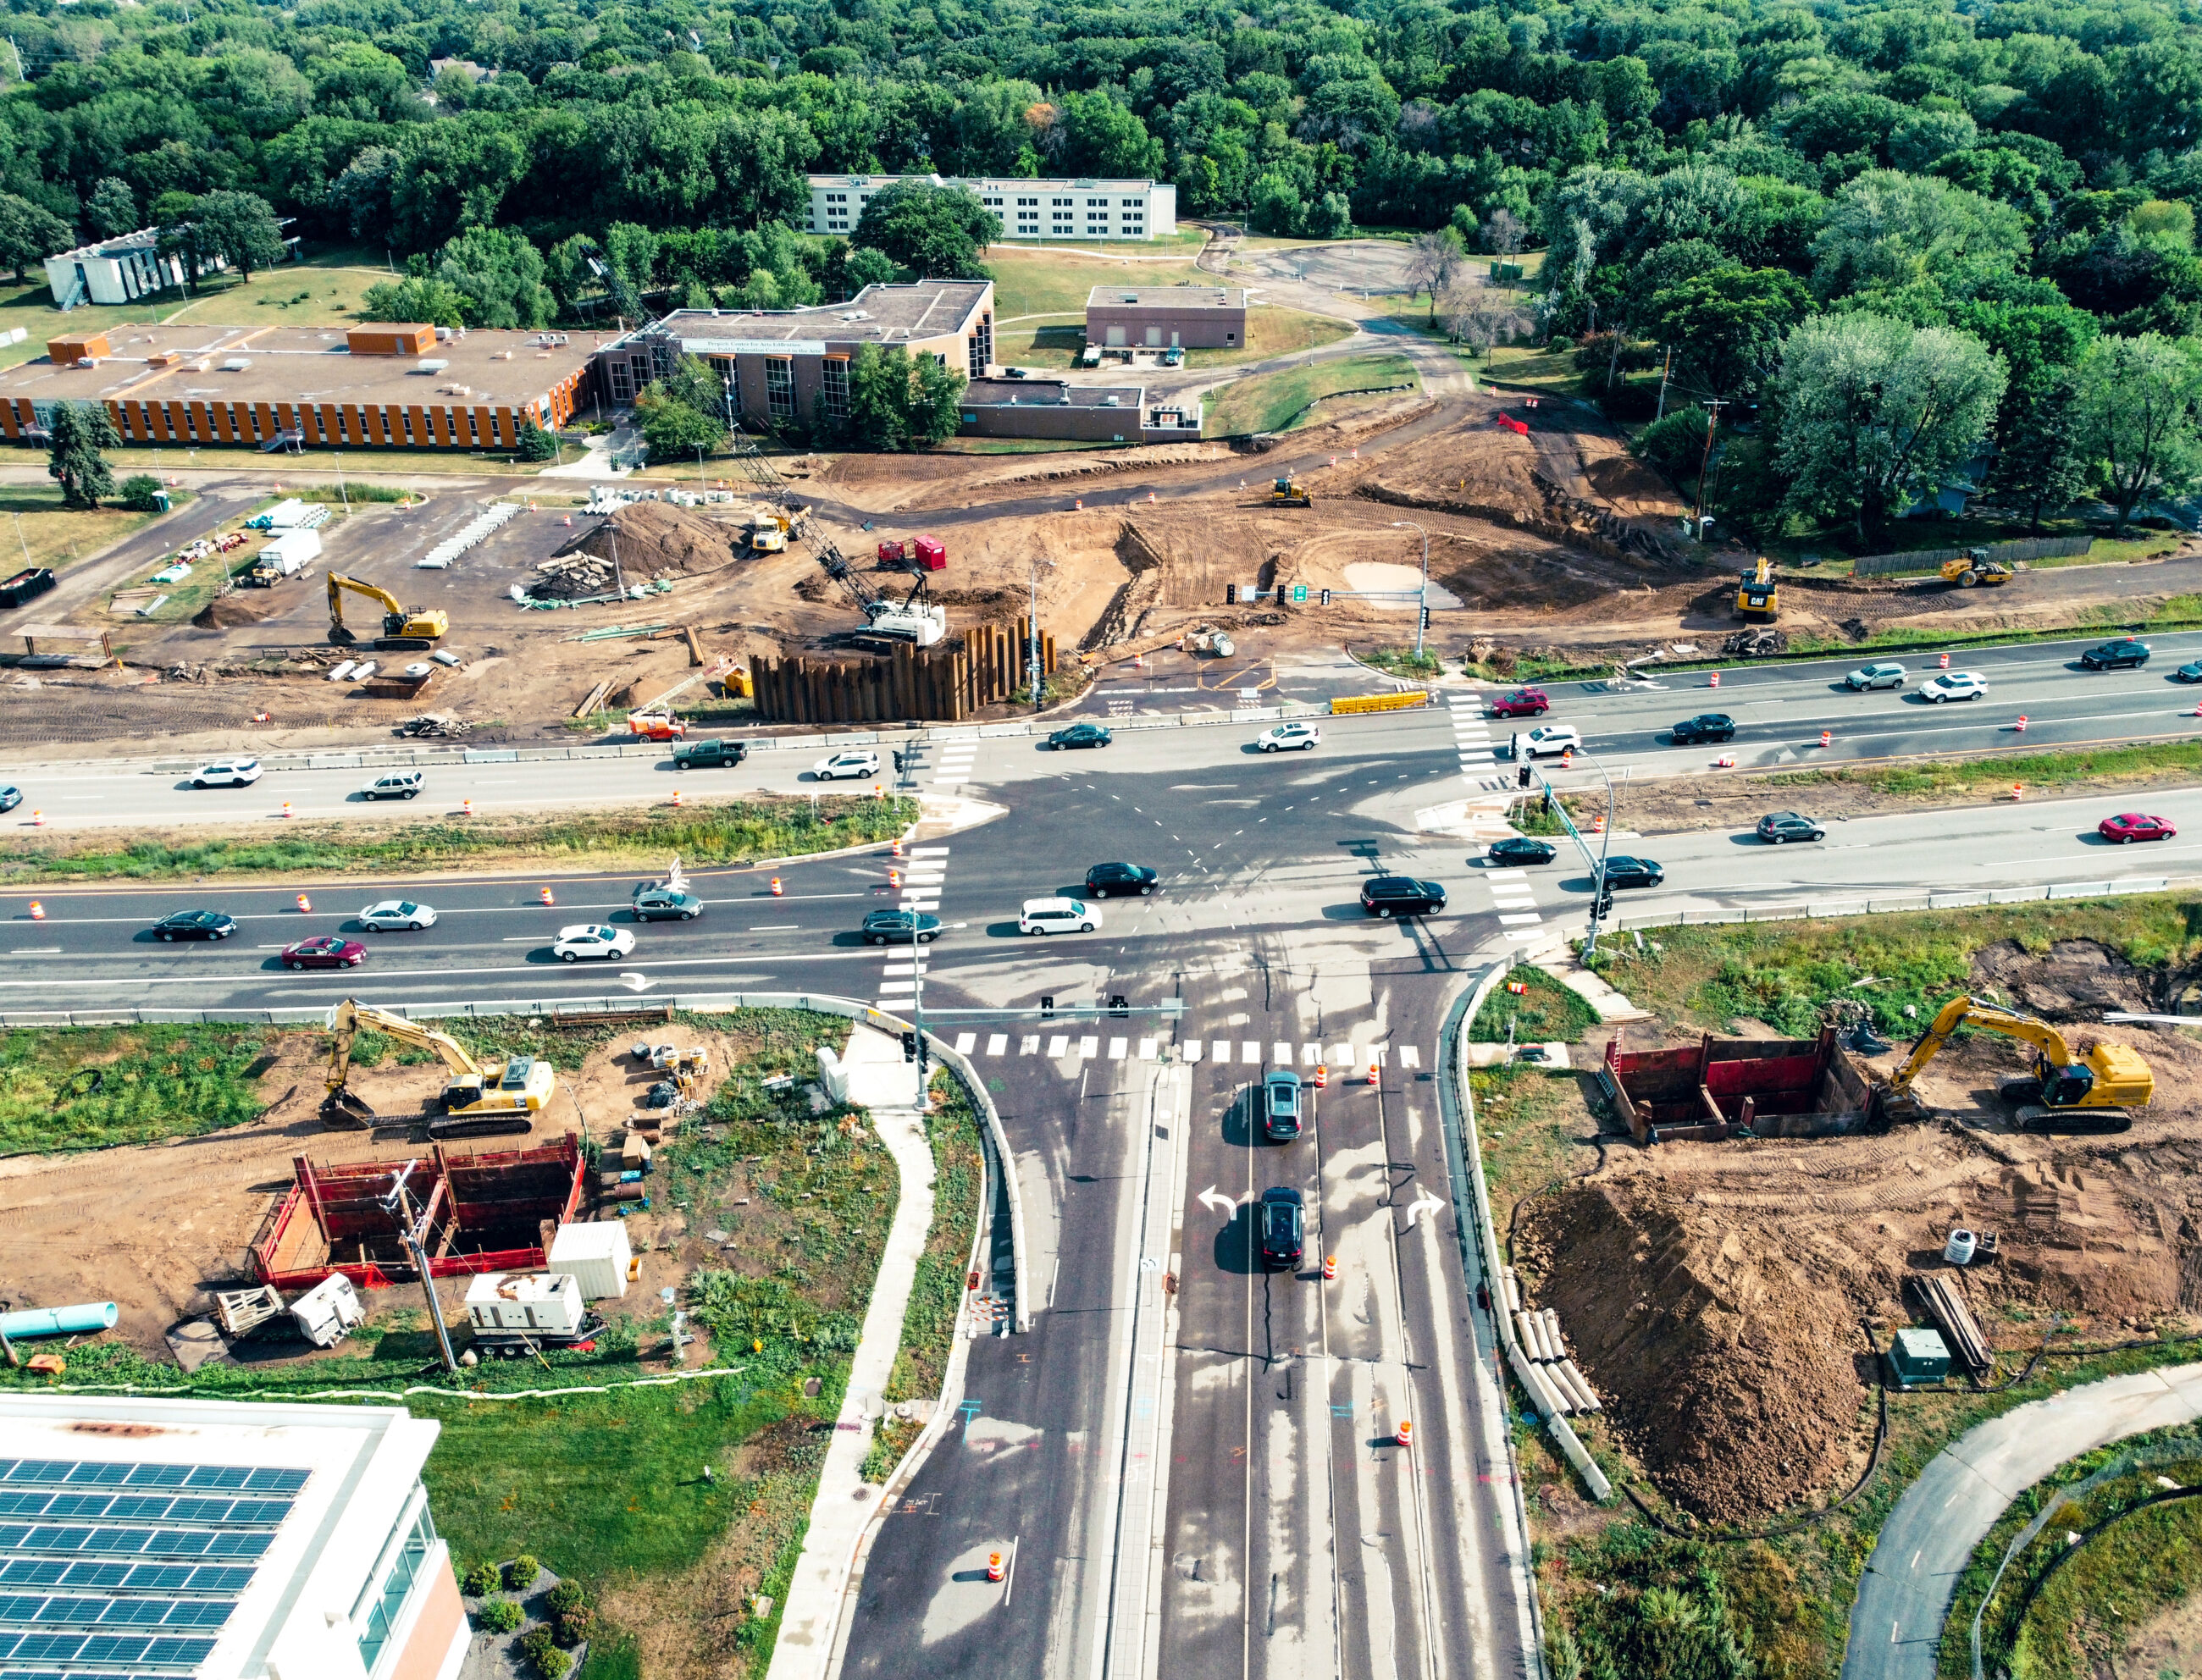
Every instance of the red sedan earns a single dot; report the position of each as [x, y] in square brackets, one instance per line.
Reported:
[1521, 704]
[2133, 826]
[326, 952]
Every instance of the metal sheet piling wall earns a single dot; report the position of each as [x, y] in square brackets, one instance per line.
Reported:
[945, 684]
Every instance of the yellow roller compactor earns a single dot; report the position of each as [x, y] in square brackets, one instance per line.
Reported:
[2092, 1093]
[479, 1100]
[404, 629]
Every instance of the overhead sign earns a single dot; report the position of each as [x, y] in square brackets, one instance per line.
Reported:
[754, 346]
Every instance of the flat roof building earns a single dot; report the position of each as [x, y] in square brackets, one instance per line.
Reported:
[1089, 414]
[1192, 317]
[1061, 208]
[376, 385]
[214, 1540]
[121, 270]
[791, 367]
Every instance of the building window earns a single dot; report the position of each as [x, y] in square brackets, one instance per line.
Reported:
[780, 387]
[383, 1601]
[622, 387]
[836, 387]
[1132, 204]
[983, 346]
[1064, 203]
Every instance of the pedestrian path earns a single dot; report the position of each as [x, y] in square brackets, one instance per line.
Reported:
[956, 760]
[1340, 1059]
[1471, 731]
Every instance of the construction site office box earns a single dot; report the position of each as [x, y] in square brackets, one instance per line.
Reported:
[65, 350]
[326, 1313]
[596, 1256]
[931, 556]
[1918, 1355]
[392, 338]
[545, 1303]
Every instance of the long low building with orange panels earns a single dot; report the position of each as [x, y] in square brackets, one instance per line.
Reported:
[373, 386]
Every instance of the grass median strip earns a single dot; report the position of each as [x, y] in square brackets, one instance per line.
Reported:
[2032, 771]
[701, 836]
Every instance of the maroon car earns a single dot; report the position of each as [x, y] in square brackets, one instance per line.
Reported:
[326, 952]
[2133, 826]
[1521, 704]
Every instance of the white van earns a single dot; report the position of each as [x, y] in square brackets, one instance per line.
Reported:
[1057, 915]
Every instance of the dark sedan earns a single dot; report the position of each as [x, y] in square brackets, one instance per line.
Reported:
[328, 951]
[1079, 735]
[1633, 872]
[2189, 673]
[663, 904]
[1705, 726]
[1280, 1217]
[2124, 654]
[900, 927]
[1119, 880]
[1782, 827]
[1521, 849]
[195, 925]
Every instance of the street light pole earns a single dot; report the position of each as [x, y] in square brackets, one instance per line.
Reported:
[1422, 603]
[1598, 888]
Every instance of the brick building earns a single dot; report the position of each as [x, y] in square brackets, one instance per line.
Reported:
[1086, 414]
[379, 385]
[1192, 317]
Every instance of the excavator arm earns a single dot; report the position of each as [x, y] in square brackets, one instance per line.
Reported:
[338, 583]
[417, 628]
[2109, 1077]
[477, 1099]
[348, 1020]
[1971, 1011]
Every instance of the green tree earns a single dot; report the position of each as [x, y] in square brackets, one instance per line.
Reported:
[2040, 463]
[896, 401]
[1875, 413]
[2136, 404]
[140, 492]
[29, 233]
[1889, 230]
[536, 443]
[112, 210]
[684, 412]
[79, 432]
[938, 232]
[240, 227]
[1728, 326]
[866, 266]
[415, 298]
[499, 273]
[1675, 444]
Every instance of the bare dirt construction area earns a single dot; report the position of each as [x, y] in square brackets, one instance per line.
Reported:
[1716, 1293]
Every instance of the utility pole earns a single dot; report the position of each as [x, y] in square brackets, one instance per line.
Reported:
[400, 1203]
[1664, 371]
[1713, 406]
[1031, 657]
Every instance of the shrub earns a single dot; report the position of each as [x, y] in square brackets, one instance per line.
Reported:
[1675, 444]
[520, 1574]
[576, 1625]
[498, 1615]
[535, 443]
[140, 493]
[481, 1580]
[565, 1595]
[543, 1651]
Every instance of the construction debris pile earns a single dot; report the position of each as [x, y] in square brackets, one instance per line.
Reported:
[651, 539]
[435, 726]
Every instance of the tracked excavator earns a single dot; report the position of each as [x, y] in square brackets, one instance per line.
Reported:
[478, 1100]
[404, 629]
[2091, 1094]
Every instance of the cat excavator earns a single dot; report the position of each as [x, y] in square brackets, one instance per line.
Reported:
[478, 1100]
[2091, 1094]
[404, 629]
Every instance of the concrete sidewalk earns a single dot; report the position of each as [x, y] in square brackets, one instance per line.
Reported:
[882, 1082]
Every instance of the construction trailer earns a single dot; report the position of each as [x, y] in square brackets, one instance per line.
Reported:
[1721, 1088]
[497, 1210]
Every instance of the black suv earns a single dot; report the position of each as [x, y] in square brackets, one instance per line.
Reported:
[194, 925]
[1122, 879]
[1401, 896]
[1280, 1217]
[1521, 849]
[1633, 872]
[2125, 651]
[1705, 726]
[653, 903]
[1788, 825]
[900, 927]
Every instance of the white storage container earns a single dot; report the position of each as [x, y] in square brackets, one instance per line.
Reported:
[326, 1313]
[596, 1255]
[291, 550]
[536, 1303]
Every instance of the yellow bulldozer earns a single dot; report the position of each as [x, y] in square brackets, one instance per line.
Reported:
[479, 1099]
[404, 629]
[2092, 1093]
[1757, 594]
[1973, 568]
[1290, 492]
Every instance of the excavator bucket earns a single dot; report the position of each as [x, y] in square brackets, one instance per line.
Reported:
[343, 1110]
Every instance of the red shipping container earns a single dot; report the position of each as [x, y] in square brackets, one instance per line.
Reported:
[931, 556]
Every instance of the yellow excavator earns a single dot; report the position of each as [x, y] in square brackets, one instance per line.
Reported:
[2091, 1094]
[404, 629]
[1757, 594]
[478, 1100]
[1290, 492]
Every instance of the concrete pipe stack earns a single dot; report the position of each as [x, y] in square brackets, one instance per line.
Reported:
[1539, 1331]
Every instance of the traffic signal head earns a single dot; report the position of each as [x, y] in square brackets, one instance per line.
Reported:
[1119, 1004]
[909, 1046]
[1047, 1006]
[1231, 594]
[1326, 597]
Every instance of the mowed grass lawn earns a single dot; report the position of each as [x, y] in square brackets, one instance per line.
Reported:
[1270, 401]
[1055, 344]
[39, 530]
[1052, 282]
[323, 290]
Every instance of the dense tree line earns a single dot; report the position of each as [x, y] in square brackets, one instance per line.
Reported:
[1716, 186]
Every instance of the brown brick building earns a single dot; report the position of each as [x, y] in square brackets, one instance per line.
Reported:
[379, 385]
[1187, 317]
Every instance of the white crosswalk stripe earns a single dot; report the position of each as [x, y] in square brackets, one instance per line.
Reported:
[922, 871]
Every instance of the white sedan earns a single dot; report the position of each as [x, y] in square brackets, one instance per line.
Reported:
[590, 939]
[1306, 736]
[833, 768]
[396, 913]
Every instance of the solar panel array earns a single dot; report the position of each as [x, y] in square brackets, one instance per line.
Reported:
[128, 1571]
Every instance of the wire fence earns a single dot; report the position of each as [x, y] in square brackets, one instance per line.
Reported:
[1930, 559]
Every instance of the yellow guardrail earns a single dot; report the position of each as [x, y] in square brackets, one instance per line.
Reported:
[1381, 702]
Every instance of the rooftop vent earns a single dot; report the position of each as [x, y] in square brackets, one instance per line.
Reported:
[432, 365]
[1109, 400]
[237, 364]
[856, 314]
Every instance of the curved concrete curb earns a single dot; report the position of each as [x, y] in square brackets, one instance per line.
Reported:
[1903, 1596]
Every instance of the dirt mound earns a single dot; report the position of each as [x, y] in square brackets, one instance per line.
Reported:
[2076, 981]
[652, 537]
[1728, 1368]
[231, 612]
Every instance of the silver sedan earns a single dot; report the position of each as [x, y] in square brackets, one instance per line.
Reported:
[398, 912]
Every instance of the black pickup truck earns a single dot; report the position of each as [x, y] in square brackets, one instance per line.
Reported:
[710, 754]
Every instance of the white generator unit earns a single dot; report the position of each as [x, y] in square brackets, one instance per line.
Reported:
[596, 1256]
[514, 1312]
[329, 1312]
[923, 624]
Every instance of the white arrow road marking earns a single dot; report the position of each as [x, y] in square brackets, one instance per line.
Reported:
[634, 982]
[1212, 1197]
[1424, 1203]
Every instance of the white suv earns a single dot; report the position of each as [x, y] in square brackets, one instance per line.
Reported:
[846, 764]
[1953, 685]
[230, 773]
[587, 939]
[1057, 915]
[1303, 736]
[397, 784]
[1549, 742]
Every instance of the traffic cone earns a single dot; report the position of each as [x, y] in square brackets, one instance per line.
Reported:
[465, 808]
[894, 879]
[676, 799]
[1405, 1437]
[995, 1569]
[1078, 506]
[1321, 1076]
[1827, 738]
[876, 791]
[1946, 661]
[305, 905]
[286, 807]
[897, 852]
[1372, 1072]
[1519, 987]
[1725, 761]
[1151, 496]
[38, 817]
[2022, 723]
[547, 899]
[1713, 681]
[776, 892]
[1329, 1267]
[37, 911]
[1597, 824]
[2018, 793]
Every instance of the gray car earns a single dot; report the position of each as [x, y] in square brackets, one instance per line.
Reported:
[1280, 1105]
[1879, 676]
[663, 904]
